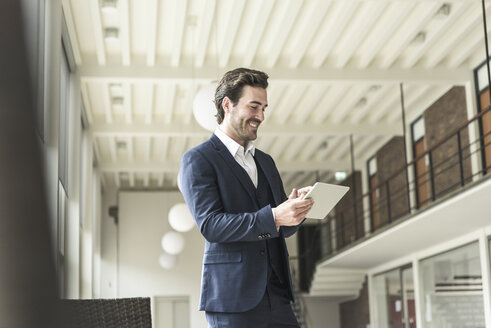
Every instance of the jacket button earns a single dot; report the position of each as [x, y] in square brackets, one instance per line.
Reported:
[262, 252]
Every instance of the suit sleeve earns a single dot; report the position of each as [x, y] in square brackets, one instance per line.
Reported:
[199, 185]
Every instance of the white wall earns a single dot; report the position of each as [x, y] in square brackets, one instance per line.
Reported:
[323, 314]
[142, 223]
[65, 236]
[52, 62]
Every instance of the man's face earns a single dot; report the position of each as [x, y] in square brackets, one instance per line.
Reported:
[242, 120]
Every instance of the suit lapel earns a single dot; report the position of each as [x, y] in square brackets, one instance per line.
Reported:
[235, 167]
[269, 171]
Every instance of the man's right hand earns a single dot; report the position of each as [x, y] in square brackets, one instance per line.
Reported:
[292, 211]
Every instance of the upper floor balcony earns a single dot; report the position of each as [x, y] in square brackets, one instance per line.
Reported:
[410, 205]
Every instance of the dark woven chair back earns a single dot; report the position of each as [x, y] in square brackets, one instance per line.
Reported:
[107, 313]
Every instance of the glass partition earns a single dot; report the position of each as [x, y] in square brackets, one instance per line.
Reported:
[452, 289]
[388, 299]
[408, 298]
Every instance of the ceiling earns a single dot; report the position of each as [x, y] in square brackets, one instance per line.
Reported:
[335, 70]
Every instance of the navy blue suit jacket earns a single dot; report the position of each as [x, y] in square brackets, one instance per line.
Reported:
[221, 198]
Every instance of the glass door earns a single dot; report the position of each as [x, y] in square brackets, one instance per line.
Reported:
[409, 319]
[394, 295]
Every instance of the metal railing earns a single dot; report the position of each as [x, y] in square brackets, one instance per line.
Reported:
[299, 306]
[441, 171]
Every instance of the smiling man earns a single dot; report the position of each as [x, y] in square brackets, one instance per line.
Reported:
[235, 194]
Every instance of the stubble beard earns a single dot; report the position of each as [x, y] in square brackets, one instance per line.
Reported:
[244, 131]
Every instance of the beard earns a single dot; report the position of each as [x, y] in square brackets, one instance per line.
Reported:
[244, 130]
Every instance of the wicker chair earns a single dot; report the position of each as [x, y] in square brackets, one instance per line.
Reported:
[107, 313]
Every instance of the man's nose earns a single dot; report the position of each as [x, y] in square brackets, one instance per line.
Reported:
[260, 115]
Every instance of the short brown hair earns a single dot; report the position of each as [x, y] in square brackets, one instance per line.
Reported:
[231, 86]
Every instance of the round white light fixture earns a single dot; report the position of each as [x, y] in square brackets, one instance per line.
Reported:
[167, 261]
[180, 219]
[204, 109]
[173, 242]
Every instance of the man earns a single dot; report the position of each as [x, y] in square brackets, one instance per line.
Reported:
[236, 196]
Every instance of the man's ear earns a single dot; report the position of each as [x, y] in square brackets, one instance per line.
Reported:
[226, 104]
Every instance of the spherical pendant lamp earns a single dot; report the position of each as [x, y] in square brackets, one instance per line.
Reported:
[167, 261]
[204, 107]
[180, 219]
[173, 242]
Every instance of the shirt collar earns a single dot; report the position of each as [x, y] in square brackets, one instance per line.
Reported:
[232, 145]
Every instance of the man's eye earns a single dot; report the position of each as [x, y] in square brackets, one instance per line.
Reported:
[254, 107]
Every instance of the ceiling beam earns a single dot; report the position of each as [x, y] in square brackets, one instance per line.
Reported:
[312, 101]
[381, 33]
[289, 15]
[127, 104]
[112, 149]
[341, 14]
[205, 74]
[150, 103]
[368, 15]
[179, 23]
[170, 98]
[413, 54]
[227, 43]
[308, 30]
[348, 104]
[412, 25]
[374, 99]
[188, 130]
[98, 32]
[148, 149]
[261, 18]
[129, 145]
[202, 33]
[454, 36]
[291, 102]
[152, 19]
[125, 33]
[108, 112]
[332, 98]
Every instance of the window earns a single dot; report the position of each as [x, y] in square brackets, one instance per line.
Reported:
[374, 192]
[64, 122]
[63, 165]
[452, 289]
[483, 100]
[421, 172]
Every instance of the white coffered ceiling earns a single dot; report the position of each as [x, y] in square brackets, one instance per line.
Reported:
[335, 70]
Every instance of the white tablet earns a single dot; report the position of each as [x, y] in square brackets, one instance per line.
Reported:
[325, 197]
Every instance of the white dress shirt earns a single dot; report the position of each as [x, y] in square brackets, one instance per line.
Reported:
[245, 157]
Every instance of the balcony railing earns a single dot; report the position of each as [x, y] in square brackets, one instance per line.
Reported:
[439, 172]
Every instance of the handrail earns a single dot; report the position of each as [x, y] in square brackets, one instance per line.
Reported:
[396, 204]
[303, 305]
[413, 162]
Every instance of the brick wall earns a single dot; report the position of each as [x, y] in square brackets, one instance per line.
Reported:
[356, 314]
[442, 118]
[346, 213]
[393, 193]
